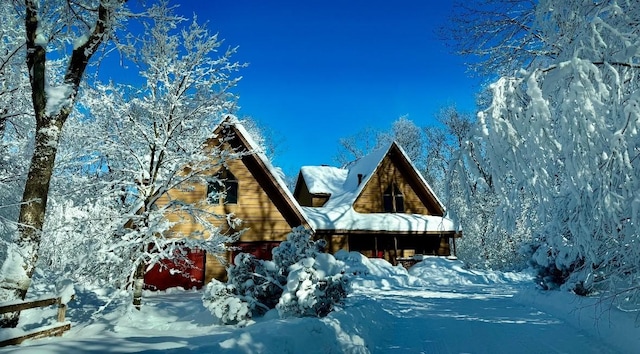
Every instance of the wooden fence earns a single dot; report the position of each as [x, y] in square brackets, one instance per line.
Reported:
[48, 331]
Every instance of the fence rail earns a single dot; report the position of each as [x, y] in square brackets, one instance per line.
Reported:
[47, 331]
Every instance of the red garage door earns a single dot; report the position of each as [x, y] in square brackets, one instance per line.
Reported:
[170, 273]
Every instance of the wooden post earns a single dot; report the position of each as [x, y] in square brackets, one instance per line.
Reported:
[375, 246]
[56, 330]
[62, 309]
[455, 252]
[395, 250]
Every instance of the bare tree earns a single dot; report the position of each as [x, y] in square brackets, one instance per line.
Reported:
[266, 138]
[443, 142]
[358, 145]
[499, 36]
[403, 130]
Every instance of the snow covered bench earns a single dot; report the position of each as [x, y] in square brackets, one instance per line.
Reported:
[19, 336]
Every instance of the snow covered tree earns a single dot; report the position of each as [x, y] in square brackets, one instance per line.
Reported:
[143, 142]
[406, 133]
[565, 130]
[84, 27]
[467, 191]
[15, 109]
[301, 280]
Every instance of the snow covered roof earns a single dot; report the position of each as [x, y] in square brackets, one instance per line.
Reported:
[344, 185]
[345, 218]
[324, 179]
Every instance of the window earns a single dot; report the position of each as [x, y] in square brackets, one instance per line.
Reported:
[393, 200]
[214, 190]
[223, 188]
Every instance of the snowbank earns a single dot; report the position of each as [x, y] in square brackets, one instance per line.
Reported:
[374, 273]
[424, 309]
[445, 272]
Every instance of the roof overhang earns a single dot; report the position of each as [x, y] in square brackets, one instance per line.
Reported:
[456, 234]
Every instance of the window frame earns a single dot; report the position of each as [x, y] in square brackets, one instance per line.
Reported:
[223, 182]
[393, 199]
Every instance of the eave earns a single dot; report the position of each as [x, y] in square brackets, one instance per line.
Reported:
[456, 234]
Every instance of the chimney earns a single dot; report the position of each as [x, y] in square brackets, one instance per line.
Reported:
[360, 175]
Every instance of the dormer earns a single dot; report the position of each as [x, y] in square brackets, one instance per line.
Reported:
[317, 184]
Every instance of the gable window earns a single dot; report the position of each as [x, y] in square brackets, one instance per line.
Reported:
[223, 188]
[393, 199]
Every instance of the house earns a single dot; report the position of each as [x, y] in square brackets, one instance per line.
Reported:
[255, 193]
[378, 205]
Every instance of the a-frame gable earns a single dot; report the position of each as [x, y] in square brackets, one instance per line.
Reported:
[396, 173]
[261, 200]
[232, 132]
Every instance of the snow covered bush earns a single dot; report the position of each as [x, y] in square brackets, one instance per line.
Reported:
[225, 306]
[314, 286]
[256, 281]
[554, 267]
[297, 247]
[301, 280]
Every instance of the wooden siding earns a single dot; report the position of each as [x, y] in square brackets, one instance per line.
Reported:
[336, 243]
[260, 217]
[370, 200]
[301, 193]
[306, 198]
[319, 200]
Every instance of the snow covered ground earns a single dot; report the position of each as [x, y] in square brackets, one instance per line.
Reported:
[435, 307]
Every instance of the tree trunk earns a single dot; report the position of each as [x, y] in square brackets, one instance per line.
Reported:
[138, 276]
[138, 283]
[34, 197]
[3, 128]
[32, 212]
[3, 122]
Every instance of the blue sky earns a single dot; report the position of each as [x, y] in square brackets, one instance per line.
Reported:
[322, 70]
